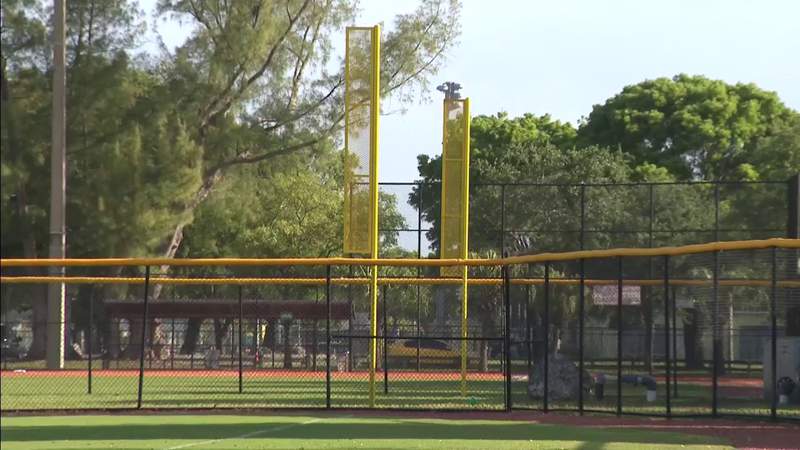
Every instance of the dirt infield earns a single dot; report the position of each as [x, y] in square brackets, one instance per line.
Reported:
[743, 434]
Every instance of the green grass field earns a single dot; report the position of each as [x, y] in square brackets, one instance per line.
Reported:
[305, 390]
[325, 431]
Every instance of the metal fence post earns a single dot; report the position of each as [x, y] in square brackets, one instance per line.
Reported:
[528, 325]
[419, 271]
[652, 214]
[89, 341]
[328, 336]
[507, 333]
[715, 308]
[650, 289]
[619, 335]
[144, 335]
[666, 334]
[716, 211]
[715, 337]
[793, 207]
[241, 323]
[172, 345]
[582, 240]
[546, 327]
[581, 301]
[503, 219]
[385, 346]
[419, 314]
[674, 343]
[773, 305]
[350, 269]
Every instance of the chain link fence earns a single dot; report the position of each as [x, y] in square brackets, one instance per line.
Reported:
[693, 335]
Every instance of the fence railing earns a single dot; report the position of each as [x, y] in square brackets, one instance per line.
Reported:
[653, 331]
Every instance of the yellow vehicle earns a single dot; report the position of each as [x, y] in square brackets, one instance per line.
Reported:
[403, 353]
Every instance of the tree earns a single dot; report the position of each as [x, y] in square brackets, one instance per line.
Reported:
[696, 127]
[498, 132]
[548, 214]
[253, 85]
[285, 209]
[521, 150]
[95, 57]
[524, 150]
[242, 50]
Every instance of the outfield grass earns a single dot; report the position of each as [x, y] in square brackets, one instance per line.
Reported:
[328, 432]
[306, 390]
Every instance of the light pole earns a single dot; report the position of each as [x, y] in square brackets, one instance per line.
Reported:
[450, 90]
[55, 291]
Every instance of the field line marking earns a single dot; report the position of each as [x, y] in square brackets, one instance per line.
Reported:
[247, 435]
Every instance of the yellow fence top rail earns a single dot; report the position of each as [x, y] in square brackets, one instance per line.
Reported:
[526, 259]
[397, 281]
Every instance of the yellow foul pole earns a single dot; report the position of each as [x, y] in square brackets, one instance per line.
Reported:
[464, 246]
[373, 186]
[455, 205]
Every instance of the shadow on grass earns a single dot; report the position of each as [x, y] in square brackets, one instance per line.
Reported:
[337, 429]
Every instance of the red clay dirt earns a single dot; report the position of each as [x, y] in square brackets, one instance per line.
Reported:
[723, 382]
[254, 373]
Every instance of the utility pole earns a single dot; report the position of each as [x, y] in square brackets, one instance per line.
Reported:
[55, 291]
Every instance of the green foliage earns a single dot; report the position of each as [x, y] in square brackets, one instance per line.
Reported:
[695, 126]
[253, 98]
[523, 150]
[494, 133]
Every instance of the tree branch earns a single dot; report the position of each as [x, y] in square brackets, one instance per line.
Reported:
[418, 45]
[246, 158]
[424, 67]
[221, 104]
[306, 111]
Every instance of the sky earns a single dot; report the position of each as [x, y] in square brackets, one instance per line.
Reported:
[560, 57]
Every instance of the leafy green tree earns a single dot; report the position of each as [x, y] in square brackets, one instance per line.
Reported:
[521, 150]
[548, 215]
[696, 127]
[23, 107]
[494, 133]
[284, 209]
[151, 137]
[241, 51]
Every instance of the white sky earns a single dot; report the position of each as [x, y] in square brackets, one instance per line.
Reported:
[561, 57]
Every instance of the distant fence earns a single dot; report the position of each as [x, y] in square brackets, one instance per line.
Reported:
[585, 216]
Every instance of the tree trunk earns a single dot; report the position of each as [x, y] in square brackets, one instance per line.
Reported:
[647, 318]
[693, 339]
[314, 345]
[157, 333]
[132, 350]
[113, 342]
[486, 330]
[191, 335]
[220, 331]
[287, 345]
[268, 340]
[39, 306]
